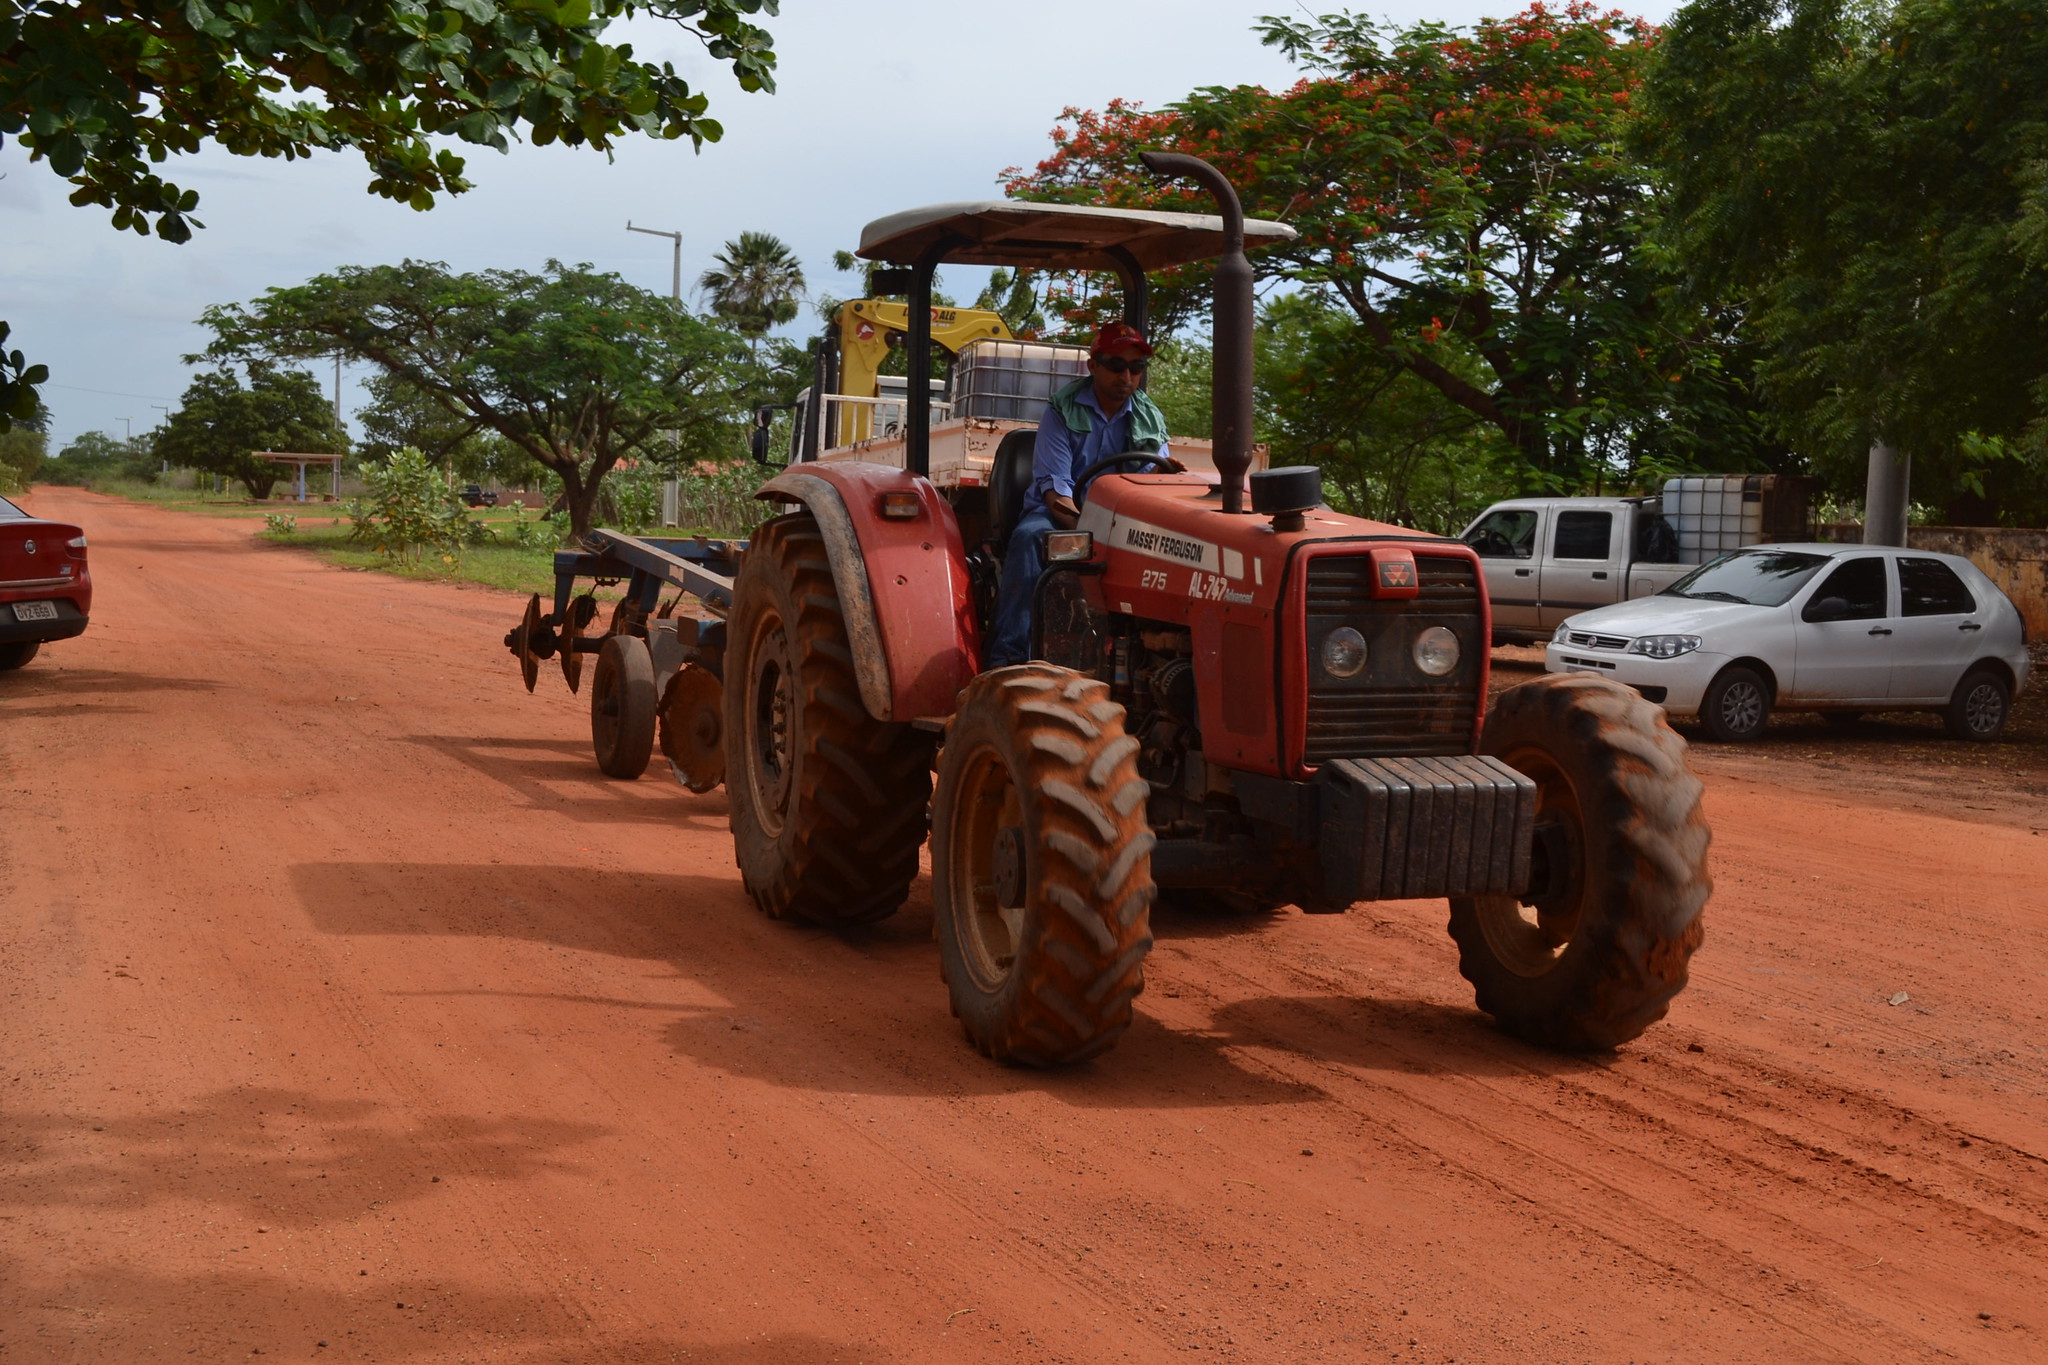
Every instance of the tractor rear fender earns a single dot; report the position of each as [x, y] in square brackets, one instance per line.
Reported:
[902, 583]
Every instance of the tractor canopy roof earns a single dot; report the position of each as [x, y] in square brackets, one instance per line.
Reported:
[1056, 236]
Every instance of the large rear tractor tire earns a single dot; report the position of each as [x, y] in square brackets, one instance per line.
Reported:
[1041, 866]
[622, 707]
[1618, 876]
[828, 805]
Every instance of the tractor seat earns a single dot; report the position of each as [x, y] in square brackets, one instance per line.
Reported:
[1009, 484]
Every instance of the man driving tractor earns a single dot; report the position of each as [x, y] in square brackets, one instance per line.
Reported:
[1104, 414]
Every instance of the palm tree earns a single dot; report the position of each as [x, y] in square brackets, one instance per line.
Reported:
[755, 282]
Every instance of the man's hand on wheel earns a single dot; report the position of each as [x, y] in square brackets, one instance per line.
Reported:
[1061, 508]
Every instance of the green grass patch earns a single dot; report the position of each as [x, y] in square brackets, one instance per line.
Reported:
[513, 568]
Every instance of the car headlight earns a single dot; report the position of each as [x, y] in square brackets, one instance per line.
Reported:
[1343, 653]
[1664, 646]
[1436, 651]
[1562, 635]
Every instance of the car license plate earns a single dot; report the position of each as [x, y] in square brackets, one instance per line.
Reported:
[35, 611]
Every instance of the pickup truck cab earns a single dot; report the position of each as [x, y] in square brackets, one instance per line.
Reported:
[1548, 558]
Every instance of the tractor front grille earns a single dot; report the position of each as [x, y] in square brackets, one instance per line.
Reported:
[1392, 708]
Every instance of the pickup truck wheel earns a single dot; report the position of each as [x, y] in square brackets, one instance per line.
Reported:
[1737, 704]
[828, 804]
[1596, 951]
[1041, 866]
[622, 707]
[14, 655]
[1979, 708]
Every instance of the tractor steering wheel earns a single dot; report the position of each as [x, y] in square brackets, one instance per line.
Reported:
[1107, 462]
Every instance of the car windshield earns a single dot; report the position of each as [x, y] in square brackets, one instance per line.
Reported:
[1762, 578]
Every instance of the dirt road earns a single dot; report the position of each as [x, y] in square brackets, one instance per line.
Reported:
[349, 1014]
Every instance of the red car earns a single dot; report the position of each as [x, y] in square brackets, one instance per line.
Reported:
[45, 588]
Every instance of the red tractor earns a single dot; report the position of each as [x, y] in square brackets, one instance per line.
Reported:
[1262, 704]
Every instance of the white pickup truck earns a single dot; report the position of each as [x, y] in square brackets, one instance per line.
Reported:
[1548, 558]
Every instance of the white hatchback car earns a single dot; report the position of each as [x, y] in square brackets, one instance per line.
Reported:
[1840, 629]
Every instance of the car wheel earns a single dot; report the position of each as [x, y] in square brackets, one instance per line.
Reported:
[16, 654]
[1737, 704]
[1980, 706]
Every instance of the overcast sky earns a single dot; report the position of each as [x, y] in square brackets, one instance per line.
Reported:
[883, 105]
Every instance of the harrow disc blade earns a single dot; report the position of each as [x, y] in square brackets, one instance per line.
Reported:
[522, 642]
[577, 616]
[692, 728]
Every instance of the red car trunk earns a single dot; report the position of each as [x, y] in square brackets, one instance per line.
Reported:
[45, 588]
[34, 551]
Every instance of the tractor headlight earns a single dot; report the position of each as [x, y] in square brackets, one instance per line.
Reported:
[1344, 653]
[1436, 651]
[1663, 646]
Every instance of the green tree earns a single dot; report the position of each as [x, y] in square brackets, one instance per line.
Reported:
[97, 455]
[1015, 297]
[20, 398]
[1860, 177]
[576, 368]
[1465, 194]
[221, 424]
[1391, 446]
[401, 414]
[21, 455]
[755, 283]
[106, 91]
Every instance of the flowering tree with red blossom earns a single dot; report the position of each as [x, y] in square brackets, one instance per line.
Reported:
[1467, 196]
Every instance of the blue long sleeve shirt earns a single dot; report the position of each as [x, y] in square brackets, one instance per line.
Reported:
[1060, 454]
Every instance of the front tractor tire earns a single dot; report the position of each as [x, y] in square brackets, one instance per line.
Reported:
[827, 803]
[1041, 866]
[1618, 874]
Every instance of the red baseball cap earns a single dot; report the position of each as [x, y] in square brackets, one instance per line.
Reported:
[1118, 335]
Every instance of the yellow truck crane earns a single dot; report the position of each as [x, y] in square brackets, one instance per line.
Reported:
[866, 329]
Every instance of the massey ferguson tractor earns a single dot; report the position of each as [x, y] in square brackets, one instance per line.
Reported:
[1237, 695]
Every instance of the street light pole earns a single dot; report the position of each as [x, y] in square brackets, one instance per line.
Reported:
[166, 463]
[675, 289]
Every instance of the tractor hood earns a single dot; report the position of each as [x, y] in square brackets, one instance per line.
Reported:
[1167, 532]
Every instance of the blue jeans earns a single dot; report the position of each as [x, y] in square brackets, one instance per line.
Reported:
[1009, 642]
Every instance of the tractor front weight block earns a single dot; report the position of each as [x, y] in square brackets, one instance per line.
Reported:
[1381, 829]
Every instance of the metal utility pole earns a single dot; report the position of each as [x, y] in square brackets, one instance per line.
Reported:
[1885, 495]
[337, 391]
[675, 288]
[130, 421]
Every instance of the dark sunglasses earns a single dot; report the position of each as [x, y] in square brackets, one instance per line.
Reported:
[1116, 364]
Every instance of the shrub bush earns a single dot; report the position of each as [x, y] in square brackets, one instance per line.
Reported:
[408, 510]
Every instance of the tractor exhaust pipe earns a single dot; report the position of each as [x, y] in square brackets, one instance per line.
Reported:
[1231, 338]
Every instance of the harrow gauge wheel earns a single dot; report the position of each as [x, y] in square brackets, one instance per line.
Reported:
[1618, 876]
[622, 707]
[693, 728]
[1041, 866]
[522, 642]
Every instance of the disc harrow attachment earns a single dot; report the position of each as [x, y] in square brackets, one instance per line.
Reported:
[693, 726]
[685, 647]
